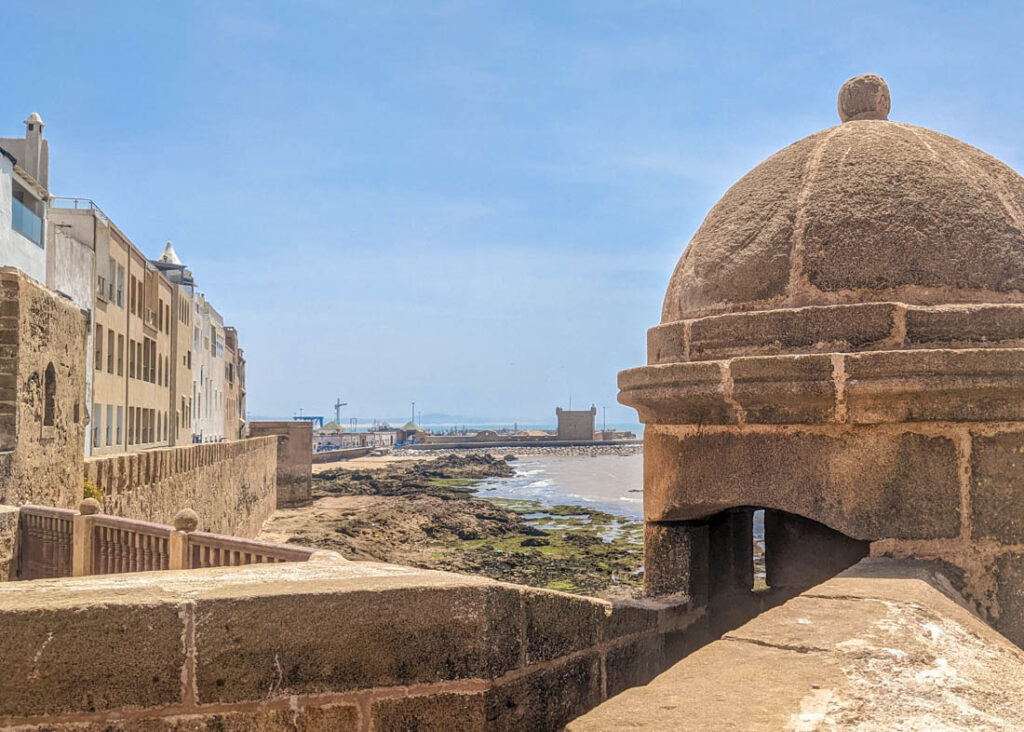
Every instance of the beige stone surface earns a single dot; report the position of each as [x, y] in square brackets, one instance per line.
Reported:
[867, 211]
[880, 647]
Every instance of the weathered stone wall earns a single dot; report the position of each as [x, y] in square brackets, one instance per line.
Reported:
[42, 394]
[294, 459]
[324, 644]
[8, 542]
[231, 485]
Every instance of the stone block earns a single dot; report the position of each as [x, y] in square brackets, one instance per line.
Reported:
[676, 560]
[92, 658]
[545, 699]
[634, 664]
[253, 647]
[997, 487]
[667, 343]
[678, 393]
[784, 389]
[1009, 576]
[951, 326]
[435, 713]
[816, 329]
[867, 482]
[800, 553]
[969, 385]
[632, 616]
[559, 624]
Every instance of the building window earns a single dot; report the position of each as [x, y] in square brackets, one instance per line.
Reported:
[110, 425]
[132, 294]
[131, 425]
[97, 418]
[110, 351]
[131, 359]
[49, 395]
[98, 362]
[120, 423]
[120, 356]
[120, 286]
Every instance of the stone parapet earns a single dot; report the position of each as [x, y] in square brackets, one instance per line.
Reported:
[230, 485]
[343, 645]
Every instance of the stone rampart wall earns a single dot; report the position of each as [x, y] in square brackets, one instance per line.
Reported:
[231, 485]
[324, 644]
[294, 459]
[42, 394]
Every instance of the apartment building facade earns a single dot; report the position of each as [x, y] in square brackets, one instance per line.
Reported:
[144, 387]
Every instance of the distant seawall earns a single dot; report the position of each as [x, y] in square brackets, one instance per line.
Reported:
[518, 443]
[231, 485]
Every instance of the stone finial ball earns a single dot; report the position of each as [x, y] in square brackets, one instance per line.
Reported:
[89, 506]
[186, 520]
[864, 97]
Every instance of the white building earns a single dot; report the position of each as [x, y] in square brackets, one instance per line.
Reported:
[23, 197]
[208, 368]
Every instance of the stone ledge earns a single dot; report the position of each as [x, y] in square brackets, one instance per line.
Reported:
[919, 385]
[881, 646]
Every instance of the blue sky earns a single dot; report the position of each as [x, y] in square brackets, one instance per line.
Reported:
[472, 205]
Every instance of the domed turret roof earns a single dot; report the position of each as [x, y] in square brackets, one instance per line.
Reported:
[867, 211]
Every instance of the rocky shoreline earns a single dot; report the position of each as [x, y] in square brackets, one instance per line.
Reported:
[426, 513]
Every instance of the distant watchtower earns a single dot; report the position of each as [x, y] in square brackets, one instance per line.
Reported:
[577, 426]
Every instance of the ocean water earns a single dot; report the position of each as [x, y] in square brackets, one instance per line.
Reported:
[610, 483]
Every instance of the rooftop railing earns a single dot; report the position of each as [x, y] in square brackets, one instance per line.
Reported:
[77, 204]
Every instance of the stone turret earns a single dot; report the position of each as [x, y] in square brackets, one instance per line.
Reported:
[842, 345]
